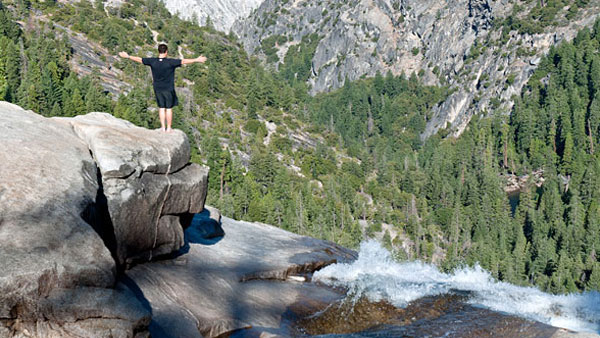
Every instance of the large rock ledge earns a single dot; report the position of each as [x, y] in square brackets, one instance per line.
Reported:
[85, 199]
[80, 199]
[147, 182]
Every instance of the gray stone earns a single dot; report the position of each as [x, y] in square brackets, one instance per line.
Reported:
[4, 331]
[136, 205]
[56, 270]
[145, 175]
[47, 180]
[188, 190]
[233, 282]
[222, 13]
[86, 312]
[169, 237]
[121, 148]
[76, 193]
[70, 305]
[562, 333]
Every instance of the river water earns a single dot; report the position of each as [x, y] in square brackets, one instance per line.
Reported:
[375, 276]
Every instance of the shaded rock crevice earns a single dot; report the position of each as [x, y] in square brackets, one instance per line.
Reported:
[97, 216]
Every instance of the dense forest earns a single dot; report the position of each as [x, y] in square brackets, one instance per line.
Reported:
[360, 168]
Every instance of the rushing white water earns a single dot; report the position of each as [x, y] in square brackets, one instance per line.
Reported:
[376, 275]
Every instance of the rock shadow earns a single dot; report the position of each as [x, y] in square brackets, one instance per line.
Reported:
[204, 229]
[201, 228]
[125, 281]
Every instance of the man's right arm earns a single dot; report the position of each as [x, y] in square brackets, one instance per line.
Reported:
[132, 58]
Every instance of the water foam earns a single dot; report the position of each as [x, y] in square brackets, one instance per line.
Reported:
[377, 276]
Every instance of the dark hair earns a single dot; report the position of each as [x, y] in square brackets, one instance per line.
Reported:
[162, 48]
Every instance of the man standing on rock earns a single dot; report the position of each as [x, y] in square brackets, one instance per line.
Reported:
[163, 75]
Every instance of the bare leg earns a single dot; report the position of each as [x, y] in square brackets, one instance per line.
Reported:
[169, 119]
[161, 115]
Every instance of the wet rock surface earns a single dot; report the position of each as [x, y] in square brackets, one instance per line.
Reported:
[441, 316]
[236, 283]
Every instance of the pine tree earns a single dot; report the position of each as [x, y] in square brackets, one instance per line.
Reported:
[520, 253]
[95, 99]
[3, 80]
[77, 103]
[13, 71]
[51, 90]
[594, 282]
[575, 223]
[253, 95]
[8, 27]
[56, 110]
[594, 75]
[387, 240]
[567, 156]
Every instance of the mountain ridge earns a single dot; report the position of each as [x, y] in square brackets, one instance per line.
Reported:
[462, 44]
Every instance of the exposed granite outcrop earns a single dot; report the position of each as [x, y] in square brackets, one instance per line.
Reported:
[57, 274]
[80, 198]
[147, 182]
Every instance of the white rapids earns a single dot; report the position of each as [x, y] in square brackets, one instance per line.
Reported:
[377, 276]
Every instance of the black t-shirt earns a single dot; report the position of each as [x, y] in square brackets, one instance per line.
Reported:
[163, 72]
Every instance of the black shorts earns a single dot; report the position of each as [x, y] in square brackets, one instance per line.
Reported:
[166, 98]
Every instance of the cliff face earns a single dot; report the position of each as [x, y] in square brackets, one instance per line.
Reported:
[222, 13]
[455, 43]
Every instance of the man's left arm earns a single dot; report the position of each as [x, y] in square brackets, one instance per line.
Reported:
[200, 59]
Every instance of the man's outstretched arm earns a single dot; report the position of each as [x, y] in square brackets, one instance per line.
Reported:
[124, 55]
[200, 59]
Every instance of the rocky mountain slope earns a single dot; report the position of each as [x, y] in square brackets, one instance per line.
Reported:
[222, 13]
[469, 45]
